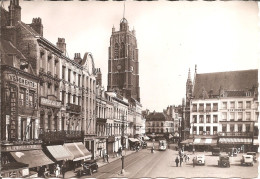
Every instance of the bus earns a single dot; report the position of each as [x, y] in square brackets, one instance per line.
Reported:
[162, 145]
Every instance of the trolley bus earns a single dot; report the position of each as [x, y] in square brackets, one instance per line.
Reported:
[162, 144]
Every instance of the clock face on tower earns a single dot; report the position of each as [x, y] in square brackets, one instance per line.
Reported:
[119, 67]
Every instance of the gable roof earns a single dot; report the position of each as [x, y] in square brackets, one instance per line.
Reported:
[157, 116]
[213, 83]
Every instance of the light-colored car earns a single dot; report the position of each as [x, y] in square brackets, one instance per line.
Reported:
[247, 160]
[200, 160]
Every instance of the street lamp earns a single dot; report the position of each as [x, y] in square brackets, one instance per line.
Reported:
[123, 143]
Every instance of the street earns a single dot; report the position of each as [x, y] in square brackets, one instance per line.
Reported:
[161, 164]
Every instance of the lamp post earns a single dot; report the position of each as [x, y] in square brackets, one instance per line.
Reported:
[123, 143]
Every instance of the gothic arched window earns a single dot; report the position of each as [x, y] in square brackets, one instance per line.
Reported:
[116, 51]
[122, 50]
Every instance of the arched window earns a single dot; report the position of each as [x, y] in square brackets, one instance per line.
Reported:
[116, 54]
[122, 50]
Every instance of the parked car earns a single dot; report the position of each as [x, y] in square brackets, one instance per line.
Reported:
[232, 152]
[247, 160]
[200, 160]
[88, 167]
[215, 151]
[144, 145]
[253, 154]
[223, 160]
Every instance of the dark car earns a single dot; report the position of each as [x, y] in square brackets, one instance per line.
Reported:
[224, 160]
[88, 167]
[215, 151]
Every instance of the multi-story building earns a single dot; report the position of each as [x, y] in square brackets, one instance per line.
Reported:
[225, 108]
[159, 125]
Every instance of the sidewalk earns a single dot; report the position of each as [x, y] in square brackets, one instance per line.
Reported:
[100, 162]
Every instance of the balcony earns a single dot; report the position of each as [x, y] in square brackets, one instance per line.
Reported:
[232, 134]
[73, 108]
[54, 136]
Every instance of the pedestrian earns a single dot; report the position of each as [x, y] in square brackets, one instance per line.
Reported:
[181, 160]
[193, 150]
[185, 158]
[193, 161]
[119, 151]
[177, 161]
[57, 171]
[107, 156]
[188, 157]
[63, 170]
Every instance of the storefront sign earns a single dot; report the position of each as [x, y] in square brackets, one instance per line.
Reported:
[22, 81]
[13, 112]
[48, 102]
[20, 147]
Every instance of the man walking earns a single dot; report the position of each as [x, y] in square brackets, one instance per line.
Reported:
[193, 161]
[177, 161]
[181, 160]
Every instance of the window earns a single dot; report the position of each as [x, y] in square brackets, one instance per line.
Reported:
[215, 118]
[224, 116]
[239, 127]
[208, 130]
[208, 108]
[69, 98]
[69, 72]
[248, 116]
[194, 119]
[79, 100]
[215, 107]
[232, 116]
[232, 128]
[122, 50]
[162, 124]
[22, 97]
[200, 130]
[194, 108]
[215, 130]
[31, 99]
[201, 119]
[208, 119]
[224, 128]
[232, 105]
[63, 97]
[79, 76]
[63, 72]
[240, 104]
[224, 105]
[161, 130]
[247, 127]
[201, 108]
[239, 116]
[116, 51]
[74, 99]
[194, 130]
[248, 104]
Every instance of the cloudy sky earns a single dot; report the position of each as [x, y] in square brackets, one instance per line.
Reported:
[172, 37]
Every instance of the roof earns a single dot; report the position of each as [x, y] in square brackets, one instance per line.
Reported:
[236, 81]
[157, 116]
[7, 49]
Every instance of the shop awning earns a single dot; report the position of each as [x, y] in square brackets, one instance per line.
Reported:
[59, 152]
[133, 140]
[187, 141]
[13, 166]
[76, 150]
[146, 138]
[207, 141]
[85, 151]
[255, 142]
[235, 141]
[33, 158]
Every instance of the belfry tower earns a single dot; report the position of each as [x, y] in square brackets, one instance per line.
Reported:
[123, 65]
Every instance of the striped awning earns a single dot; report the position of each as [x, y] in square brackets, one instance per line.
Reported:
[235, 141]
[33, 158]
[187, 141]
[59, 152]
[133, 140]
[207, 141]
[87, 154]
[76, 150]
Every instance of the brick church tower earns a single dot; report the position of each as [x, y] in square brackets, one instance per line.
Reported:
[123, 65]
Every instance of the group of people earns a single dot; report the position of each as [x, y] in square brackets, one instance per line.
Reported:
[179, 159]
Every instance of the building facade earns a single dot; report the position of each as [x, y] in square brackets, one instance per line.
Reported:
[224, 109]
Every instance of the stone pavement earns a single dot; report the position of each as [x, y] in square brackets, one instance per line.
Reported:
[100, 162]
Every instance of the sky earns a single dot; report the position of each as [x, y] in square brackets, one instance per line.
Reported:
[171, 37]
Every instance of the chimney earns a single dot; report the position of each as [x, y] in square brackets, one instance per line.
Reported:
[37, 25]
[99, 77]
[14, 12]
[77, 58]
[61, 45]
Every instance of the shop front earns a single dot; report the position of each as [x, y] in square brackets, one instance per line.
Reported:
[241, 144]
[101, 147]
[204, 144]
[110, 147]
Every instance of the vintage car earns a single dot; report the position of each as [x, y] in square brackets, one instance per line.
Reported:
[223, 160]
[215, 151]
[200, 160]
[144, 145]
[247, 160]
[88, 167]
[253, 154]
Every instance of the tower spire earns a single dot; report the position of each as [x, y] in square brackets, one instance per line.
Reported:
[124, 10]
